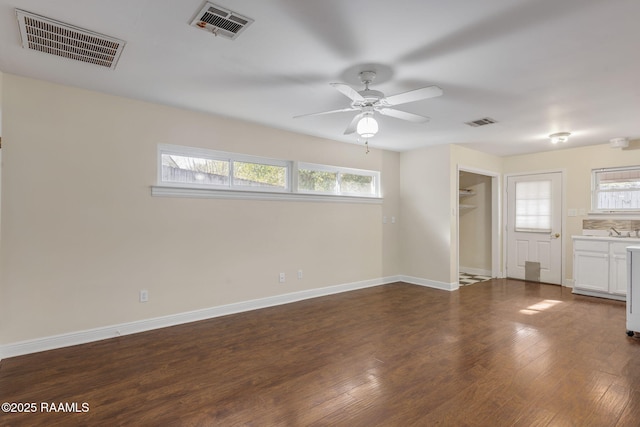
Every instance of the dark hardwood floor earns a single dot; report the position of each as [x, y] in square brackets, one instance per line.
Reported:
[497, 353]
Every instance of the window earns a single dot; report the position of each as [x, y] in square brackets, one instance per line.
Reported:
[325, 179]
[533, 206]
[272, 177]
[194, 170]
[187, 171]
[616, 189]
[317, 181]
[191, 167]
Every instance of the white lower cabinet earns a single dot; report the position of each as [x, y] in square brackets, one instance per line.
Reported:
[618, 268]
[600, 266]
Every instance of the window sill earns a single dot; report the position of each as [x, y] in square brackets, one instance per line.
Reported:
[614, 213]
[206, 193]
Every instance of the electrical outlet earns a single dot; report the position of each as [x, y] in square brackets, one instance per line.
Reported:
[144, 295]
[282, 277]
[299, 274]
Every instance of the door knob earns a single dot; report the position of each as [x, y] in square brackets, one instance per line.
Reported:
[555, 236]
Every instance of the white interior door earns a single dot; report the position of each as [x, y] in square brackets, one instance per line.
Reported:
[534, 225]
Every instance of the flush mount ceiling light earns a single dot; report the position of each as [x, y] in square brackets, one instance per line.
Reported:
[559, 137]
[619, 142]
[367, 127]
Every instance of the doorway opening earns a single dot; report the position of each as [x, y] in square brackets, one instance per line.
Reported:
[478, 223]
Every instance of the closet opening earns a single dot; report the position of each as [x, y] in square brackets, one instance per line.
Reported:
[478, 226]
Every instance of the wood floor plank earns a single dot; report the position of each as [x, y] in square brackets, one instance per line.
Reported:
[501, 352]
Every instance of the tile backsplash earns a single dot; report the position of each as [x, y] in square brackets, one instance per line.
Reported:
[606, 224]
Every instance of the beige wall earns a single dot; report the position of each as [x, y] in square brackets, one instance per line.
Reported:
[428, 199]
[391, 209]
[426, 218]
[2, 297]
[81, 234]
[1, 104]
[490, 165]
[467, 158]
[577, 164]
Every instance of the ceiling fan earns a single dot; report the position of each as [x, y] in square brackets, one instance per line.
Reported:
[369, 101]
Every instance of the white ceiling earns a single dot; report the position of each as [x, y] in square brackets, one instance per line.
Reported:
[535, 66]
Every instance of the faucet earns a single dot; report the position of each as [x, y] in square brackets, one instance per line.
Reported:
[615, 231]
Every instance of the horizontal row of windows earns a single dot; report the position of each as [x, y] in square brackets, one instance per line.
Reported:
[188, 167]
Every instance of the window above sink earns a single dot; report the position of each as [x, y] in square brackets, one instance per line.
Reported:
[615, 190]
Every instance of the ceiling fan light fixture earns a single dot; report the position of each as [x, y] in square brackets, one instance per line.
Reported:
[559, 137]
[369, 101]
[367, 127]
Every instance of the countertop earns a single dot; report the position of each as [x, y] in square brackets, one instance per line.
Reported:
[631, 240]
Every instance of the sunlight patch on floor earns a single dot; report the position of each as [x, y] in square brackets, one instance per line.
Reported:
[541, 306]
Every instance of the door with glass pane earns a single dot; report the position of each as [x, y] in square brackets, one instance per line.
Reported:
[534, 222]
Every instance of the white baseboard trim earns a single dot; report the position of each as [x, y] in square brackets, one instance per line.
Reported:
[477, 271]
[430, 283]
[97, 334]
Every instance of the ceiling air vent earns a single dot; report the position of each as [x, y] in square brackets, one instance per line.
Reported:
[60, 39]
[481, 122]
[220, 21]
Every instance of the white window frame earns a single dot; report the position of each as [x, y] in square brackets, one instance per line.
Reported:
[222, 156]
[316, 168]
[339, 171]
[595, 192]
[231, 191]
[376, 181]
[262, 161]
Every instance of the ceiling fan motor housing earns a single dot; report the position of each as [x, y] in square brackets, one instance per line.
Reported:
[370, 96]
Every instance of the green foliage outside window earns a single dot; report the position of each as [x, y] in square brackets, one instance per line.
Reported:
[320, 181]
[260, 174]
[351, 183]
[244, 173]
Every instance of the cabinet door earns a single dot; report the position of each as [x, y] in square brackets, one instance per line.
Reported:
[618, 273]
[618, 277]
[591, 271]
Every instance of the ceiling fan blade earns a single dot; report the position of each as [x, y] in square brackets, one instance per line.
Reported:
[403, 115]
[327, 112]
[354, 124]
[348, 91]
[414, 95]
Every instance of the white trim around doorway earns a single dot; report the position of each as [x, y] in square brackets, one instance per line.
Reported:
[496, 218]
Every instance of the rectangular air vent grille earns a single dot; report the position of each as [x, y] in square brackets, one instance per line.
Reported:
[220, 21]
[60, 39]
[481, 122]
